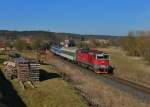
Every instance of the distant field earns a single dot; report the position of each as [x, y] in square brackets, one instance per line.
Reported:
[128, 67]
[52, 91]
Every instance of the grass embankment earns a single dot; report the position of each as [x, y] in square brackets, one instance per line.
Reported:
[129, 67]
[51, 91]
[8, 95]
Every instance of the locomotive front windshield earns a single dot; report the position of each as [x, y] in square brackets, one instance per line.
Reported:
[102, 56]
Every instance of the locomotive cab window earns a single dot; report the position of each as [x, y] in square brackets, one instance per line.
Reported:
[102, 56]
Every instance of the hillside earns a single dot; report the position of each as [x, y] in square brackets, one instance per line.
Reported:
[47, 34]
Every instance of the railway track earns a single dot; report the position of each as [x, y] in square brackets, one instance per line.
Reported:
[131, 84]
[122, 84]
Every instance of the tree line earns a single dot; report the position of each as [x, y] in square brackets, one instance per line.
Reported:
[137, 44]
[20, 44]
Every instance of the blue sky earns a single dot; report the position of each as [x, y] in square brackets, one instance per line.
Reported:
[115, 17]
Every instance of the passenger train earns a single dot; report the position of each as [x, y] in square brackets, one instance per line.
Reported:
[98, 61]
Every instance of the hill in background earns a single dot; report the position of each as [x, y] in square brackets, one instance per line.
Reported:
[4, 34]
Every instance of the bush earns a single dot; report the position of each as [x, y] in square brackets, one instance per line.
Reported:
[137, 45]
[20, 45]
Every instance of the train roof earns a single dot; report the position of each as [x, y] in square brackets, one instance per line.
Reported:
[70, 49]
[92, 51]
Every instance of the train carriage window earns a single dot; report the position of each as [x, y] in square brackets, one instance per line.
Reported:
[68, 53]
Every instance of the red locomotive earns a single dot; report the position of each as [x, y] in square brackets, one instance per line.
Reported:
[94, 59]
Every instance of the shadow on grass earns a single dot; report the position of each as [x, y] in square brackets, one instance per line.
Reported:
[44, 75]
[8, 95]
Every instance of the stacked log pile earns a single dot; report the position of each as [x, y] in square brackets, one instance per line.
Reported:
[34, 71]
[23, 69]
[10, 70]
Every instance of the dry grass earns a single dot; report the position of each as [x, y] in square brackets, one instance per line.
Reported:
[29, 54]
[128, 67]
[97, 92]
[52, 91]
